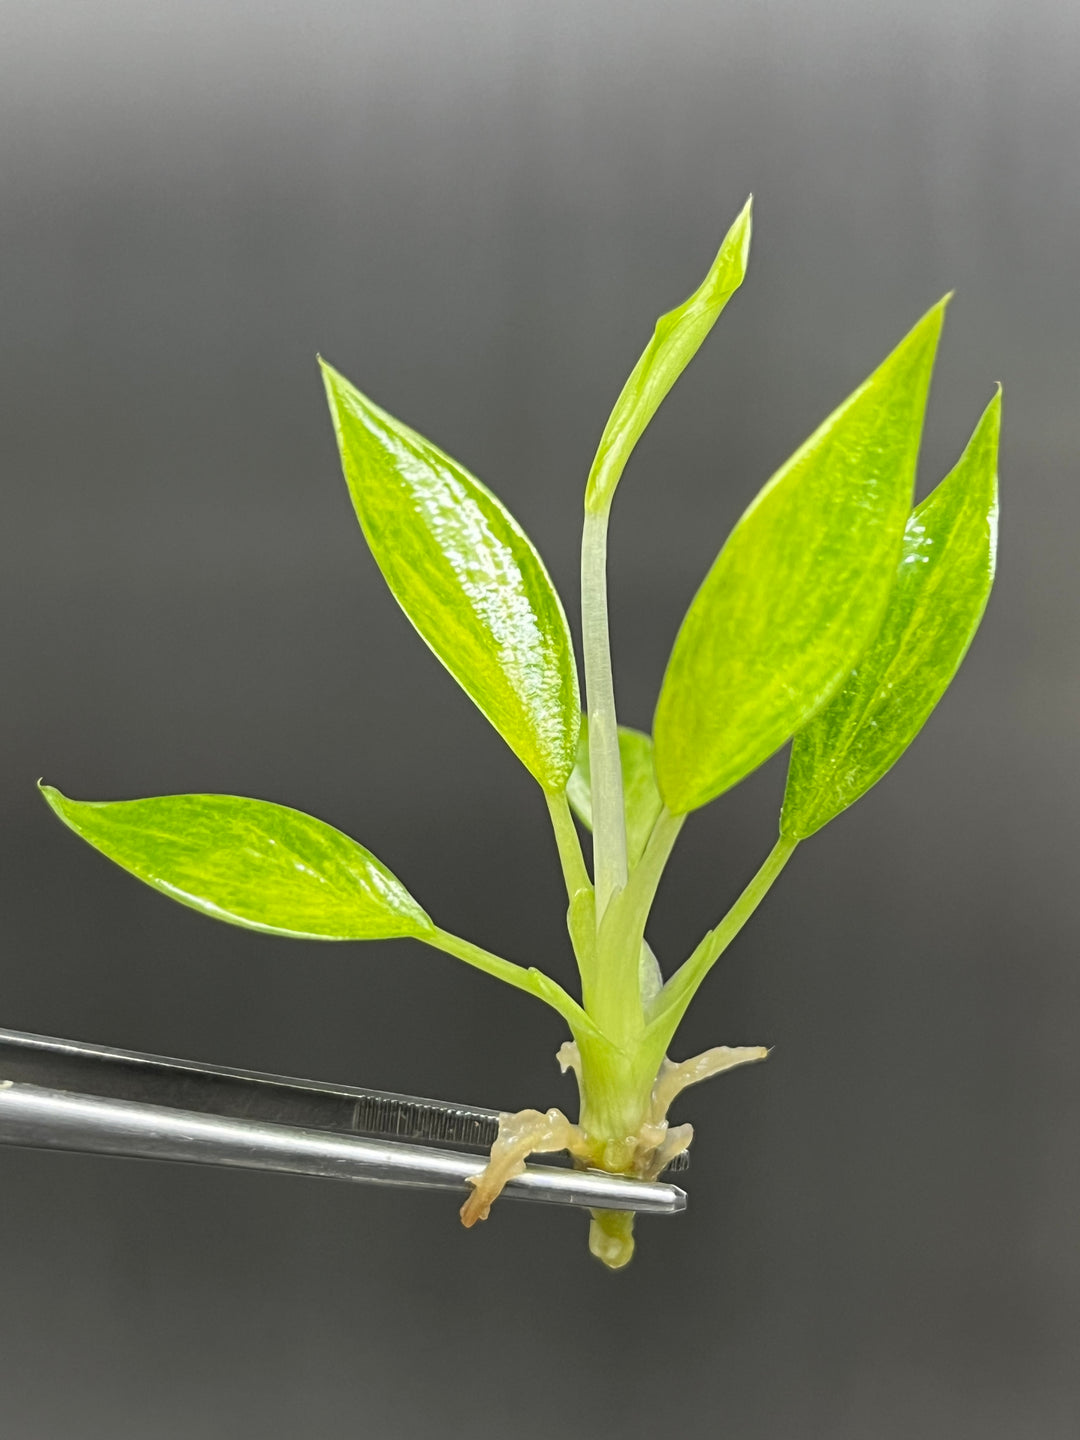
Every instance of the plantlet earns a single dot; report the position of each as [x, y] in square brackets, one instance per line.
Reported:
[834, 616]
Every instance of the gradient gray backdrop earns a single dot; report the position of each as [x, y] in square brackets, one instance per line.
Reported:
[476, 210]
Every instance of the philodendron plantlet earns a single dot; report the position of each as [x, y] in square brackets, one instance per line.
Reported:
[834, 617]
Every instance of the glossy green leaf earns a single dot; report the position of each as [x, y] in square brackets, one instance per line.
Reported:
[466, 575]
[676, 340]
[641, 798]
[250, 862]
[942, 586]
[799, 589]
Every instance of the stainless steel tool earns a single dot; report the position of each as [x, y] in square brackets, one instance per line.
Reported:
[66, 1095]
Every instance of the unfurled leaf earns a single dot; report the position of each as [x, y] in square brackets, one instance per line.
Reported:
[798, 591]
[641, 798]
[942, 586]
[467, 577]
[251, 863]
[675, 342]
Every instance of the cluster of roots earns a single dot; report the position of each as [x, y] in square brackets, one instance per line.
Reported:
[644, 1154]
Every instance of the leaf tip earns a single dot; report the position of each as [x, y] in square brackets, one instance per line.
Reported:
[989, 427]
[343, 395]
[741, 231]
[934, 318]
[732, 257]
[919, 346]
[331, 377]
[936, 313]
[337, 387]
[56, 802]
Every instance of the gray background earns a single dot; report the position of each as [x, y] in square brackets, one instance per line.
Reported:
[476, 210]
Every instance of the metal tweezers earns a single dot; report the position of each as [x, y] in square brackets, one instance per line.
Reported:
[65, 1095]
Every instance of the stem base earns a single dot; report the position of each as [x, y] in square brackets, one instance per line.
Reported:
[611, 1237]
[627, 1133]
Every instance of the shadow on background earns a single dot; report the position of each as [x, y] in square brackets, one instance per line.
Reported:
[476, 211]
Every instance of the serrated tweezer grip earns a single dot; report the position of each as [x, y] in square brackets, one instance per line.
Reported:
[59, 1094]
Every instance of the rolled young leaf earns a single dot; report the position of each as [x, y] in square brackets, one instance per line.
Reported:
[676, 340]
[942, 586]
[799, 589]
[640, 795]
[467, 577]
[251, 863]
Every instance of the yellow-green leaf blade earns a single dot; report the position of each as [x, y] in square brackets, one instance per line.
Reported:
[676, 339]
[251, 863]
[467, 577]
[799, 589]
[942, 586]
[641, 798]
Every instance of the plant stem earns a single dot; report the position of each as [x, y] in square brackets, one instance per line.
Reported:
[567, 839]
[616, 1086]
[671, 1004]
[609, 825]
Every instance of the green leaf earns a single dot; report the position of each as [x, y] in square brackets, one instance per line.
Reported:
[798, 591]
[467, 577]
[675, 342]
[641, 798]
[249, 862]
[942, 586]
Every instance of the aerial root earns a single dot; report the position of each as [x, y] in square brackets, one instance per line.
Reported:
[676, 1075]
[528, 1132]
[568, 1057]
[658, 1143]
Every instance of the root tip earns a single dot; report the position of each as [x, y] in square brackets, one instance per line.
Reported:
[472, 1212]
[477, 1206]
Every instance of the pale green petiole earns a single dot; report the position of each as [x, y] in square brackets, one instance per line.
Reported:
[671, 1004]
[531, 980]
[575, 875]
